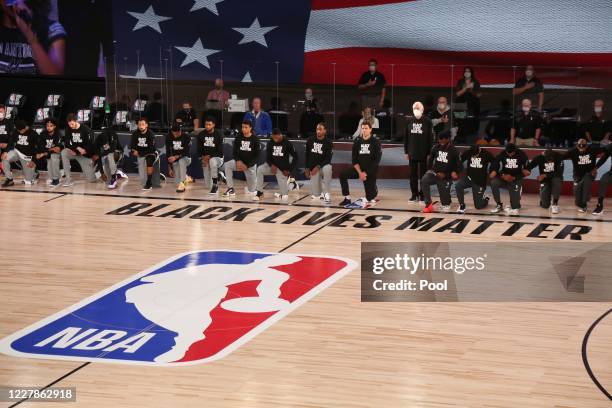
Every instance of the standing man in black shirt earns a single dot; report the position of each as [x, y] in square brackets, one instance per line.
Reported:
[281, 159]
[550, 166]
[210, 149]
[142, 145]
[21, 148]
[597, 129]
[366, 156]
[527, 126]
[108, 154]
[319, 151]
[371, 87]
[444, 165]
[177, 154]
[604, 181]
[77, 146]
[508, 172]
[479, 162]
[246, 151]
[49, 148]
[529, 85]
[418, 141]
[583, 157]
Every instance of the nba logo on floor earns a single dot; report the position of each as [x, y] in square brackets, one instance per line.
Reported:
[191, 308]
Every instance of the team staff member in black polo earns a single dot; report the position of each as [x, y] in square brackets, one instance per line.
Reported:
[583, 157]
[597, 129]
[604, 182]
[527, 127]
[371, 86]
[418, 141]
[529, 85]
[550, 167]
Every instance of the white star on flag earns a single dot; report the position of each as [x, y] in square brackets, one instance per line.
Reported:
[210, 5]
[254, 33]
[247, 77]
[148, 19]
[196, 53]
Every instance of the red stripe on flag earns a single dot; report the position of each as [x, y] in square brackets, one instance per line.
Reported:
[432, 68]
[337, 4]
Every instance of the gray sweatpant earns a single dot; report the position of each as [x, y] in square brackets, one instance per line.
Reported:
[212, 170]
[142, 172]
[109, 165]
[266, 170]
[550, 190]
[53, 166]
[320, 182]
[603, 184]
[85, 163]
[14, 156]
[582, 190]
[180, 169]
[250, 174]
[444, 186]
[477, 192]
[514, 190]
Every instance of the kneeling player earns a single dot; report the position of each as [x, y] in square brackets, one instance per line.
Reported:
[584, 158]
[550, 166]
[246, 151]
[604, 182]
[143, 148]
[444, 165]
[479, 161]
[281, 159]
[49, 149]
[210, 149]
[366, 156]
[177, 152]
[508, 172]
[78, 147]
[108, 152]
[319, 151]
[21, 148]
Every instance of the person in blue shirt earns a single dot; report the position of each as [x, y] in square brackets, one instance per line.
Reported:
[262, 123]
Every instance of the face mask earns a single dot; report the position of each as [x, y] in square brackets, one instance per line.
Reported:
[308, 96]
[526, 109]
[441, 106]
[417, 113]
[467, 75]
[597, 109]
[528, 73]
[2, 116]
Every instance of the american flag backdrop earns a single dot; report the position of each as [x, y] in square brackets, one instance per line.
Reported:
[416, 42]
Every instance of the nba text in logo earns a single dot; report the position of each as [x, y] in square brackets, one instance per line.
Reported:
[191, 308]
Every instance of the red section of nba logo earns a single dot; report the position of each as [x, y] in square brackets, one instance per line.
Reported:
[228, 326]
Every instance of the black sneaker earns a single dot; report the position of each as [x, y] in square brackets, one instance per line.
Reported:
[257, 196]
[229, 192]
[598, 210]
[344, 202]
[461, 209]
[414, 198]
[498, 208]
[147, 186]
[55, 182]
[214, 189]
[8, 182]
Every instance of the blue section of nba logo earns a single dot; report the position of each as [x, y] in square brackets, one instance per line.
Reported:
[123, 333]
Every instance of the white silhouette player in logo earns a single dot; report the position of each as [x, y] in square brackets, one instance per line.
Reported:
[181, 300]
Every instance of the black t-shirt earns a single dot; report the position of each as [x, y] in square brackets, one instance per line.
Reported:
[47, 141]
[584, 162]
[246, 149]
[377, 88]
[210, 144]
[537, 88]
[186, 117]
[367, 153]
[418, 139]
[6, 129]
[512, 165]
[16, 53]
[80, 137]
[26, 143]
[107, 142]
[526, 125]
[444, 159]
[549, 167]
[143, 143]
[279, 154]
[318, 152]
[598, 127]
[178, 146]
[478, 166]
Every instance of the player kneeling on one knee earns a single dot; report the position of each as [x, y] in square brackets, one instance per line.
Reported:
[142, 145]
[210, 150]
[108, 154]
[177, 152]
[21, 148]
[479, 162]
[583, 157]
[281, 159]
[604, 182]
[49, 149]
[508, 172]
[550, 166]
[78, 146]
[246, 151]
[319, 151]
[444, 165]
[366, 156]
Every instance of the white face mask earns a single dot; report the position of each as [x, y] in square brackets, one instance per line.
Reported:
[441, 106]
[467, 75]
[308, 96]
[597, 109]
[2, 116]
[526, 109]
[417, 113]
[529, 73]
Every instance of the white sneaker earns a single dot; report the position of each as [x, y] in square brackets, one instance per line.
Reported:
[29, 182]
[68, 183]
[445, 208]
[582, 209]
[326, 198]
[513, 211]
[283, 197]
[49, 181]
[554, 209]
[314, 197]
[121, 174]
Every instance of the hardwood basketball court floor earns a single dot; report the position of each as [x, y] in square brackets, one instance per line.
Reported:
[61, 246]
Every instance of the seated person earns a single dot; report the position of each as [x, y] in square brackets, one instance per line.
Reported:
[440, 117]
[262, 122]
[187, 117]
[597, 129]
[366, 117]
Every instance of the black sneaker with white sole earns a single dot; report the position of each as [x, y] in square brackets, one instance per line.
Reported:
[229, 192]
[461, 209]
[598, 210]
[344, 202]
[147, 186]
[214, 189]
[8, 182]
[498, 208]
[414, 199]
